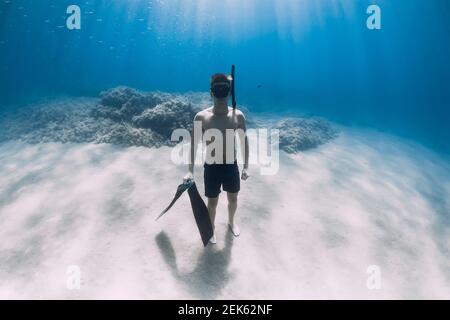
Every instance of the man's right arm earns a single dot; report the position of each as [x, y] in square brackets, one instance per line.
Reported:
[195, 139]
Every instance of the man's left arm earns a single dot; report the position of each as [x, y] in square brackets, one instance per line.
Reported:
[244, 144]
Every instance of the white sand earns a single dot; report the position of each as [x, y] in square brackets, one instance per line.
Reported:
[309, 232]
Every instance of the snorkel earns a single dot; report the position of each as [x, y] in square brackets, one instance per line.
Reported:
[233, 94]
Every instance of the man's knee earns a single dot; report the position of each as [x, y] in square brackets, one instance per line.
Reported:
[232, 198]
[212, 202]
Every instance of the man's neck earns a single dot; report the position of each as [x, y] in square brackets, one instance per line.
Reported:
[220, 106]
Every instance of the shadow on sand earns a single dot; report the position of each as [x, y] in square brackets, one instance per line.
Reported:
[210, 274]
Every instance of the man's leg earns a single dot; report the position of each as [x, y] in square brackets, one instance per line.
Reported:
[232, 207]
[212, 206]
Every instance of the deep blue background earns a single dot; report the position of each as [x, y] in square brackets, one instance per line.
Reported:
[314, 57]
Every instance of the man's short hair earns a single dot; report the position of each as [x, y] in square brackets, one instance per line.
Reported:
[219, 77]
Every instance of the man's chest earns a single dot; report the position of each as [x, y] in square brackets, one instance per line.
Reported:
[221, 123]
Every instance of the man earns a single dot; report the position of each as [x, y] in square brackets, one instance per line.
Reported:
[218, 121]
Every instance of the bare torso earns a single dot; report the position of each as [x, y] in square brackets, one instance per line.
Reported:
[232, 120]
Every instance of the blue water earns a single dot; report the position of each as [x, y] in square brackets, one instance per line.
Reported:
[316, 57]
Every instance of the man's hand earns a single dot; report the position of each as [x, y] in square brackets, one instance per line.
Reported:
[188, 178]
[244, 175]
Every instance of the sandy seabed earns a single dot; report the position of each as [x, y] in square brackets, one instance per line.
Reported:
[310, 231]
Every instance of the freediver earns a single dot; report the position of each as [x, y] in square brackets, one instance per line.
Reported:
[222, 171]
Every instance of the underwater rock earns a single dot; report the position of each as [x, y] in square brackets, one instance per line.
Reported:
[123, 103]
[63, 120]
[119, 96]
[126, 135]
[166, 117]
[298, 134]
[127, 117]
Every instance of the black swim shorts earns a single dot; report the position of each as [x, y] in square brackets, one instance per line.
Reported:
[217, 175]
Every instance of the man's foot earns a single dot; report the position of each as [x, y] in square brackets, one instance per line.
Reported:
[213, 239]
[234, 229]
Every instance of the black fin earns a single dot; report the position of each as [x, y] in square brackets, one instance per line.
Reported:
[201, 215]
[180, 190]
[199, 209]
